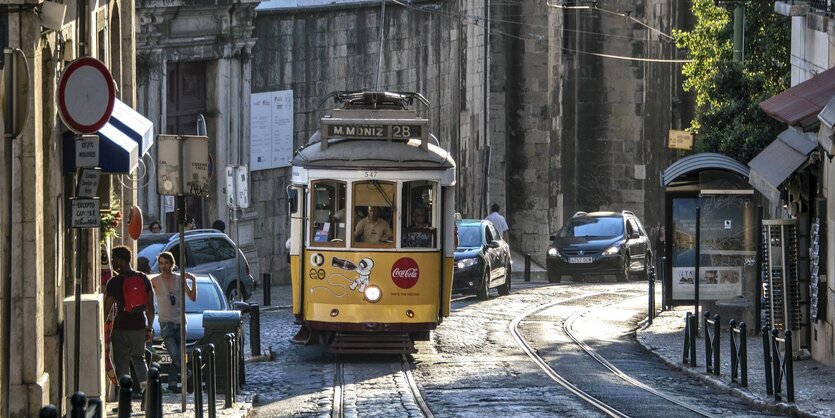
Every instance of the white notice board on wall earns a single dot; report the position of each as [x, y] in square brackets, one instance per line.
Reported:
[271, 127]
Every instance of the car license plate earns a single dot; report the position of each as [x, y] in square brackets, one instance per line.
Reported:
[164, 358]
[578, 260]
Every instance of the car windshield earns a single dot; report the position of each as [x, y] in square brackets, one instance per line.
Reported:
[469, 236]
[592, 227]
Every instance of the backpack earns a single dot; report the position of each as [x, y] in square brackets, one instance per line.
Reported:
[134, 293]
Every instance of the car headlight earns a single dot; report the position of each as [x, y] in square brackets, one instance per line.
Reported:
[467, 262]
[373, 294]
[613, 250]
[552, 252]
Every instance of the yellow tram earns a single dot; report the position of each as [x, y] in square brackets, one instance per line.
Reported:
[372, 226]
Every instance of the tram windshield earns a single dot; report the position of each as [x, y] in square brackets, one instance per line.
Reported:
[374, 210]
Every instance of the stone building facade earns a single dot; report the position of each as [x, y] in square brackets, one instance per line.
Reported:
[317, 50]
[37, 267]
[194, 58]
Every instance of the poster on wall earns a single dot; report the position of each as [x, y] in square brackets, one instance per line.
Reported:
[727, 247]
[271, 130]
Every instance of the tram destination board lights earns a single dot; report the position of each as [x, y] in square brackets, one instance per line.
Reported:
[384, 129]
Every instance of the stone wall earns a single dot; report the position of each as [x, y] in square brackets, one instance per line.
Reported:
[315, 51]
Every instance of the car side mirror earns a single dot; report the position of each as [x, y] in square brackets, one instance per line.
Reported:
[493, 244]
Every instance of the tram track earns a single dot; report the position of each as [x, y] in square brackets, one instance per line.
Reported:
[573, 387]
[405, 386]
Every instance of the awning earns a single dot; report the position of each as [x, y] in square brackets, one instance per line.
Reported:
[800, 105]
[123, 140]
[699, 162]
[771, 167]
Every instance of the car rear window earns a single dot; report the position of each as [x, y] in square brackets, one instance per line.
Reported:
[592, 227]
[207, 299]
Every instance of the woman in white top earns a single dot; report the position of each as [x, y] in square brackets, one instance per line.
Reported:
[167, 289]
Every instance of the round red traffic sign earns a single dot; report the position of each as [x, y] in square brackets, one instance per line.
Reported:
[86, 95]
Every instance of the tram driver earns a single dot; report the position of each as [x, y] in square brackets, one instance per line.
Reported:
[373, 229]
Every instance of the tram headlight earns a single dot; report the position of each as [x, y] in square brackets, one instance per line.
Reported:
[467, 262]
[373, 294]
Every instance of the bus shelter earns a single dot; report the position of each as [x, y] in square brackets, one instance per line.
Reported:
[710, 213]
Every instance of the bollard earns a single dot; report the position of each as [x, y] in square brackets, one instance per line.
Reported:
[197, 375]
[769, 382]
[739, 353]
[79, 405]
[49, 411]
[713, 332]
[254, 329]
[789, 366]
[776, 369]
[651, 299]
[153, 393]
[125, 391]
[227, 383]
[527, 267]
[95, 406]
[686, 338]
[211, 389]
[265, 277]
[693, 331]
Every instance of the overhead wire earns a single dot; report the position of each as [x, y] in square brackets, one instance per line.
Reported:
[477, 21]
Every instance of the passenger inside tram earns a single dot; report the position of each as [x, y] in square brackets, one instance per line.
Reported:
[373, 228]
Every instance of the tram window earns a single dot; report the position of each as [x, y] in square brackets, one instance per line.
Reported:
[418, 223]
[328, 217]
[374, 211]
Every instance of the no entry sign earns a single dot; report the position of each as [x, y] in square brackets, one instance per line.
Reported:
[85, 95]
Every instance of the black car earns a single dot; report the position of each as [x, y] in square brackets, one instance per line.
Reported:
[599, 243]
[482, 260]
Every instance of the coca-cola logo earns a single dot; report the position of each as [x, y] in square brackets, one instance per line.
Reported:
[405, 273]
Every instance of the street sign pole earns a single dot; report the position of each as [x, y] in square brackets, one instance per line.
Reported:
[181, 218]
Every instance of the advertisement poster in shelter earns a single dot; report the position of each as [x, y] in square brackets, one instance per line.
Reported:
[727, 245]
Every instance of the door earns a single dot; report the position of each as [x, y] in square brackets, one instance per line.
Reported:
[638, 246]
[186, 100]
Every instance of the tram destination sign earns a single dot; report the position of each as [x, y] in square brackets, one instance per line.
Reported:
[374, 131]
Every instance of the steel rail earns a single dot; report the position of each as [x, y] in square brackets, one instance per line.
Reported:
[568, 326]
[338, 392]
[514, 331]
[421, 403]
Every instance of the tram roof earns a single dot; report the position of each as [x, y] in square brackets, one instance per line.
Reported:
[351, 153]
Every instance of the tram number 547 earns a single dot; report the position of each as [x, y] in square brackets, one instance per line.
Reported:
[370, 174]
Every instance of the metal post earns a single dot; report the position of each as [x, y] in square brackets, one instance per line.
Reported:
[227, 383]
[769, 383]
[153, 394]
[197, 375]
[48, 411]
[125, 390]
[694, 320]
[211, 388]
[708, 344]
[789, 365]
[79, 403]
[265, 278]
[734, 350]
[743, 352]
[181, 218]
[775, 364]
[254, 329]
[95, 406]
[759, 260]
[696, 267]
[527, 267]
[686, 337]
[651, 294]
[717, 333]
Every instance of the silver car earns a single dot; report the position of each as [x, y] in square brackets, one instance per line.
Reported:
[208, 251]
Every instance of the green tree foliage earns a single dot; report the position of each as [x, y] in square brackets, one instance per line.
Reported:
[727, 118]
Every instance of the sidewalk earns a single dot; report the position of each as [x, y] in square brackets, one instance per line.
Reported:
[538, 272]
[813, 381]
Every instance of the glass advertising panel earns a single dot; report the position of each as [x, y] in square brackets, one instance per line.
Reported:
[727, 246]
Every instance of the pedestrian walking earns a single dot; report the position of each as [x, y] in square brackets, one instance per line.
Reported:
[143, 265]
[131, 293]
[167, 288]
[219, 225]
[498, 220]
